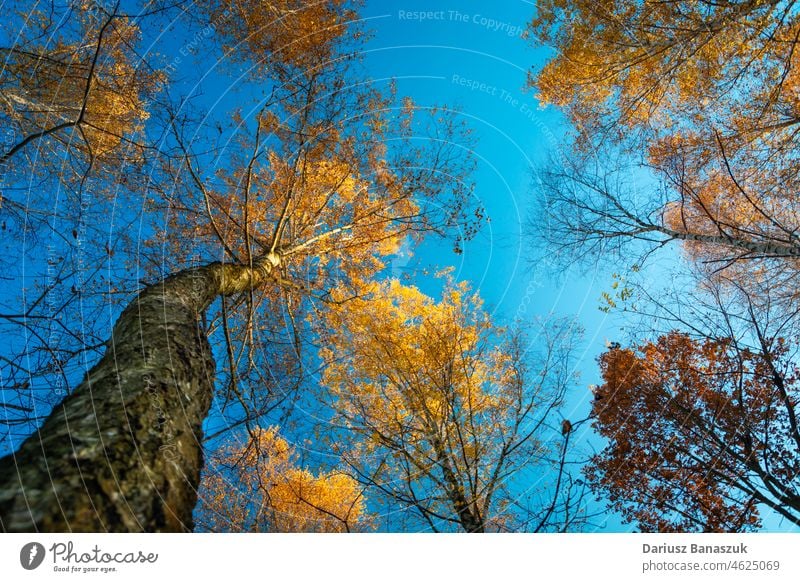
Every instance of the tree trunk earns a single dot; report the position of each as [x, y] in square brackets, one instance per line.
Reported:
[123, 452]
[470, 520]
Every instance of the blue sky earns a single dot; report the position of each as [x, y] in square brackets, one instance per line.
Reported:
[470, 55]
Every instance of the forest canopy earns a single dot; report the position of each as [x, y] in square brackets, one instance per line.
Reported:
[686, 121]
[179, 353]
[262, 269]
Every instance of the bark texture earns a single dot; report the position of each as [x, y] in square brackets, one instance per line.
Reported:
[467, 512]
[123, 452]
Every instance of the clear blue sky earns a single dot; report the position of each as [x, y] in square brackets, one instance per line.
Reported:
[470, 55]
[473, 57]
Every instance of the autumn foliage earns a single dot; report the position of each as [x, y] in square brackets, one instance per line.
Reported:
[256, 486]
[700, 432]
[704, 95]
[673, 66]
[441, 410]
[88, 94]
[253, 215]
[295, 34]
[320, 186]
[686, 118]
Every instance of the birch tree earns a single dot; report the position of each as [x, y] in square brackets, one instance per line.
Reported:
[319, 186]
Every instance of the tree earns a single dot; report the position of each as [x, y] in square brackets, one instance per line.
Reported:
[81, 90]
[670, 67]
[442, 414]
[257, 487]
[703, 95]
[686, 118]
[700, 433]
[315, 199]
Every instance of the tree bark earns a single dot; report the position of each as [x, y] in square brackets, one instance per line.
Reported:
[123, 451]
[470, 520]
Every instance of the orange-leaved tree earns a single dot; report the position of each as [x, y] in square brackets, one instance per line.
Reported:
[701, 433]
[686, 117]
[442, 412]
[256, 486]
[73, 85]
[704, 95]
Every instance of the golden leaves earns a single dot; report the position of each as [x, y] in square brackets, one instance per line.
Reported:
[93, 86]
[285, 32]
[258, 487]
[418, 355]
[652, 59]
[665, 68]
[319, 212]
[706, 96]
[427, 383]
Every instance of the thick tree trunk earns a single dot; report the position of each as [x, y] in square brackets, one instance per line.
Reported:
[123, 452]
